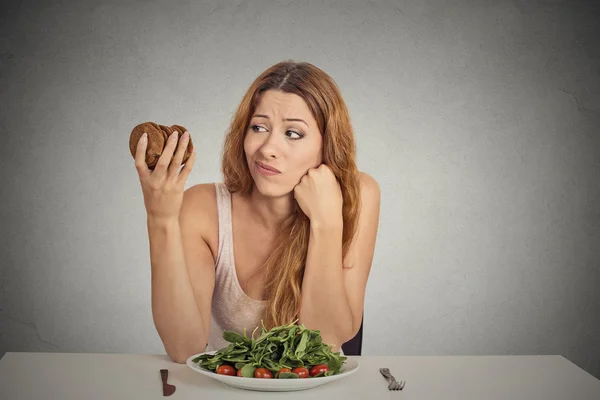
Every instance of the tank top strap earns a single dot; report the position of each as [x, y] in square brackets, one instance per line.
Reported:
[225, 223]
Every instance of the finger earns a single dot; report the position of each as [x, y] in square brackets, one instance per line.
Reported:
[187, 168]
[167, 155]
[181, 147]
[140, 157]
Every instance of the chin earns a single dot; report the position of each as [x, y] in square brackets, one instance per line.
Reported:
[270, 189]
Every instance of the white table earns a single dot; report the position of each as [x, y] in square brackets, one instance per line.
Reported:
[130, 376]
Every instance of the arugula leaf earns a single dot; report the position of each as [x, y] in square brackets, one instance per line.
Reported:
[233, 337]
[248, 371]
[288, 375]
[300, 350]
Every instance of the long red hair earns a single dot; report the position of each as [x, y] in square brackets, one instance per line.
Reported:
[284, 269]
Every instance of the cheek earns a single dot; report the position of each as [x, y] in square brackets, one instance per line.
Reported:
[311, 158]
[318, 151]
[249, 147]
[317, 154]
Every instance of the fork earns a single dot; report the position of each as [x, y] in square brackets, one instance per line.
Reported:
[394, 384]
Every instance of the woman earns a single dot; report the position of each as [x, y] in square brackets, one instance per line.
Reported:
[302, 218]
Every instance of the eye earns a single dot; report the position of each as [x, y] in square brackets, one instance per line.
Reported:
[293, 135]
[255, 127]
[298, 135]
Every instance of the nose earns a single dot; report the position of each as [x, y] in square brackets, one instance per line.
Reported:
[270, 148]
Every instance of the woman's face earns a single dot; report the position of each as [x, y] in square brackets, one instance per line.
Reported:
[282, 142]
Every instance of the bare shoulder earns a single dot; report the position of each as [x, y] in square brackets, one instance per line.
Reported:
[369, 189]
[202, 192]
[362, 248]
[199, 199]
[199, 212]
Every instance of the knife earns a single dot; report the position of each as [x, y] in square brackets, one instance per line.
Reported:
[167, 388]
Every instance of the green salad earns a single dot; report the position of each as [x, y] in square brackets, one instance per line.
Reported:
[284, 352]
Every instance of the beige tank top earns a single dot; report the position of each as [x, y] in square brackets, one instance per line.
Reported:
[231, 308]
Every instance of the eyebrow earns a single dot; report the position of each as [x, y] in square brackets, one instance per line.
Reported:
[285, 119]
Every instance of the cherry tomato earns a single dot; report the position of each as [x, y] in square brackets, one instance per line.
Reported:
[317, 369]
[283, 370]
[239, 373]
[226, 370]
[262, 373]
[301, 372]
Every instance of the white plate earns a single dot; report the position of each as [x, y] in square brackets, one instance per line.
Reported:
[275, 385]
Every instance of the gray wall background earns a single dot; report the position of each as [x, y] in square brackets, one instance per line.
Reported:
[479, 119]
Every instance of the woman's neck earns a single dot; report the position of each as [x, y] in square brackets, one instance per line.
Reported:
[271, 212]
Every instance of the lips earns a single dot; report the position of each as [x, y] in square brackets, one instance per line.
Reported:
[268, 168]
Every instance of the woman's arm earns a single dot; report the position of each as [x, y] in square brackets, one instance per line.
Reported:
[182, 278]
[332, 296]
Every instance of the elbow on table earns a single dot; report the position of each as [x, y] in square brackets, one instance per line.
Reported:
[349, 334]
[180, 356]
[336, 340]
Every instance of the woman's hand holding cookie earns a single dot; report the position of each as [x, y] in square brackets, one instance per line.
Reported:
[163, 186]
